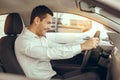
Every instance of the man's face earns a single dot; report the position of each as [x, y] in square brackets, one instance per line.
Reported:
[44, 25]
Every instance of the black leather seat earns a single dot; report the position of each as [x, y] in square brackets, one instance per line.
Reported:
[13, 27]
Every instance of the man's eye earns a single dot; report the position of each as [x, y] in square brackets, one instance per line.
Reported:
[49, 22]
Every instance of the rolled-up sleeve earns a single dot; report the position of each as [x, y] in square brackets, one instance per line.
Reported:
[57, 51]
[63, 52]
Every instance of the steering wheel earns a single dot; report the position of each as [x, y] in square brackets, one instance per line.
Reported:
[88, 52]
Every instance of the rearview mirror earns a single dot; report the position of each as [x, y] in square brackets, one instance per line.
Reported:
[86, 7]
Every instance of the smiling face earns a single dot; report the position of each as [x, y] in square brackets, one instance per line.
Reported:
[41, 19]
[44, 25]
[40, 27]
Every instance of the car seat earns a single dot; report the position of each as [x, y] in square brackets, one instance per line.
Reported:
[13, 26]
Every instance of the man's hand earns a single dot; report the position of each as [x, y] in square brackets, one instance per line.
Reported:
[90, 44]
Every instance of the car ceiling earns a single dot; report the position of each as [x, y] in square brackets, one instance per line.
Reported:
[24, 8]
[16, 5]
[113, 3]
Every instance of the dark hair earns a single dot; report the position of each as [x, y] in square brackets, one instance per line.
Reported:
[41, 12]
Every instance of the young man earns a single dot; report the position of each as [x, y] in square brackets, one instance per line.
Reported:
[34, 51]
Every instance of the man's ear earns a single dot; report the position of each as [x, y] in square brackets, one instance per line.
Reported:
[37, 20]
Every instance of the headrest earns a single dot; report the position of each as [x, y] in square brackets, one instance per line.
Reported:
[13, 24]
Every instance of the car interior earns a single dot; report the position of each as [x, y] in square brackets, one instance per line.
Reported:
[104, 60]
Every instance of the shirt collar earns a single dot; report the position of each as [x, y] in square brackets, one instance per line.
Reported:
[29, 33]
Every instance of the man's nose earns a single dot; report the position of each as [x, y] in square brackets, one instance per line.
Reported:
[49, 27]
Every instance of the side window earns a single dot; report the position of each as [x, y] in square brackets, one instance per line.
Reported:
[2, 22]
[70, 23]
[66, 26]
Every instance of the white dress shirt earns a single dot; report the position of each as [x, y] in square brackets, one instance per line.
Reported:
[35, 52]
